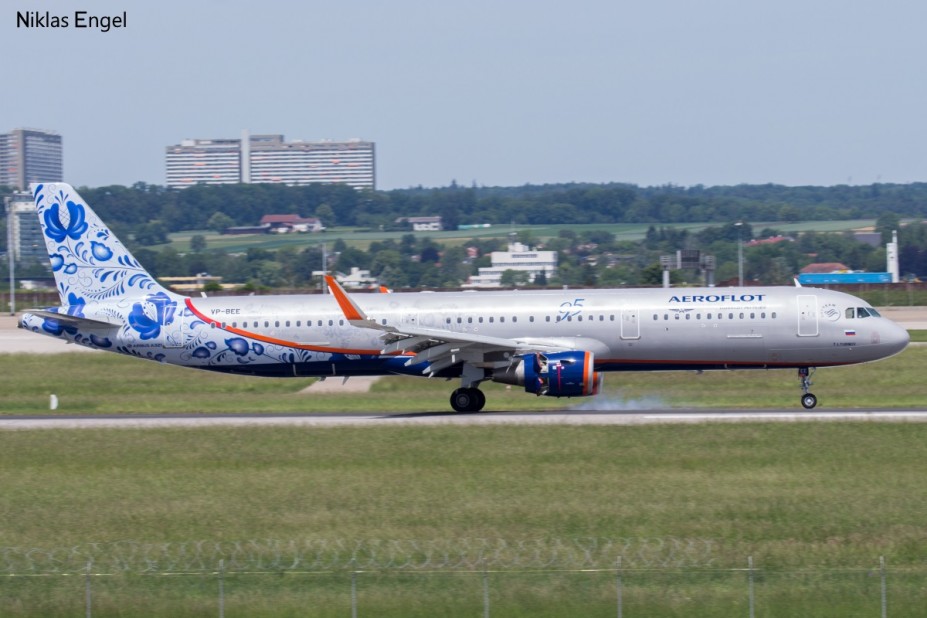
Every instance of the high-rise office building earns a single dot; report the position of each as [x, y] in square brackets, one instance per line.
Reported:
[30, 155]
[270, 159]
[28, 242]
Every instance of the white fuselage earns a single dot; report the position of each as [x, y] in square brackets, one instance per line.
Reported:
[626, 329]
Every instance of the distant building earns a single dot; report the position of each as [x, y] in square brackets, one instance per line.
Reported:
[520, 258]
[825, 267]
[423, 224]
[282, 224]
[204, 161]
[772, 240]
[28, 242]
[30, 155]
[358, 279]
[270, 159]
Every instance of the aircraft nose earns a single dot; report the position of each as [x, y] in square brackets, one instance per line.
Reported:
[895, 338]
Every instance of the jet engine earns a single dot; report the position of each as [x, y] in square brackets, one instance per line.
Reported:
[561, 374]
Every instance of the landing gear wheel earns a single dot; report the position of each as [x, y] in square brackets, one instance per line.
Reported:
[468, 400]
[808, 400]
[480, 399]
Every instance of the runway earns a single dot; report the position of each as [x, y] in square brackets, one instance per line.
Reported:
[426, 419]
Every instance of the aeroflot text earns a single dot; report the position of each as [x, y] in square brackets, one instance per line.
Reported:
[718, 298]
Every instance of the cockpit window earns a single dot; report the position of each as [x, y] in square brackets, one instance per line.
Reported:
[862, 312]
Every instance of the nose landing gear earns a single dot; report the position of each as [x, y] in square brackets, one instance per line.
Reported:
[808, 401]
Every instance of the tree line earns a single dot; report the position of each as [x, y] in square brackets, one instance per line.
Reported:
[144, 215]
[148, 208]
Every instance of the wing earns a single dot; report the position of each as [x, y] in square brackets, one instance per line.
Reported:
[441, 348]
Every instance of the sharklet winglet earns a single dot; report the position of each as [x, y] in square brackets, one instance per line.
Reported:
[352, 312]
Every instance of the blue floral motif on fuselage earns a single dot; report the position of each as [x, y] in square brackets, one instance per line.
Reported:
[160, 313]
[238, 345]
[100, 342]
[56, 328]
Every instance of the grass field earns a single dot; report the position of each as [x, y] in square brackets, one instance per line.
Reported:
[361, 239]
[108, 383]
[814, 504]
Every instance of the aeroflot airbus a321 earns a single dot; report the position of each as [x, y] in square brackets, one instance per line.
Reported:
[555, 343]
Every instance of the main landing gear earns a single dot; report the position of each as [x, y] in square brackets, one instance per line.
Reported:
[808, 400]
[468, 400]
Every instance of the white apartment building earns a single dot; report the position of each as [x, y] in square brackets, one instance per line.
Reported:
[204, 161]
[270, 159]
[519, 258]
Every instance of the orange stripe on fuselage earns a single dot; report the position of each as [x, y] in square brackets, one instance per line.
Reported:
[275, 341]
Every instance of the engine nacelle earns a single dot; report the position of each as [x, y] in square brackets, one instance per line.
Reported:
[562, 374]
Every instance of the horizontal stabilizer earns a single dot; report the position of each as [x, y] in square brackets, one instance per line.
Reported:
[74, 320]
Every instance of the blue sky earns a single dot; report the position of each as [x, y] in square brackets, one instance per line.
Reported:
[492, 93]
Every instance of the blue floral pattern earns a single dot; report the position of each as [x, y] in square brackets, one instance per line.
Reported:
[75, 226]
[149, 316]
[108, 301]
[85, 257]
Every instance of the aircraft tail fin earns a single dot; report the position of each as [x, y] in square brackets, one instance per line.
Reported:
[90, 264]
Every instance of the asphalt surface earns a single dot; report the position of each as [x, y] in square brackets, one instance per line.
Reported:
[565, 417]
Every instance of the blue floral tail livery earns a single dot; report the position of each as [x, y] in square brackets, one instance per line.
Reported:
[90, 264]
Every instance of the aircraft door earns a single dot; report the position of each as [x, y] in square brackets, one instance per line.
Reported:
[807, 315]
[630, 324]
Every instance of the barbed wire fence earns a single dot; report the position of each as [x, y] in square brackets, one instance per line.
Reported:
[618, 558]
